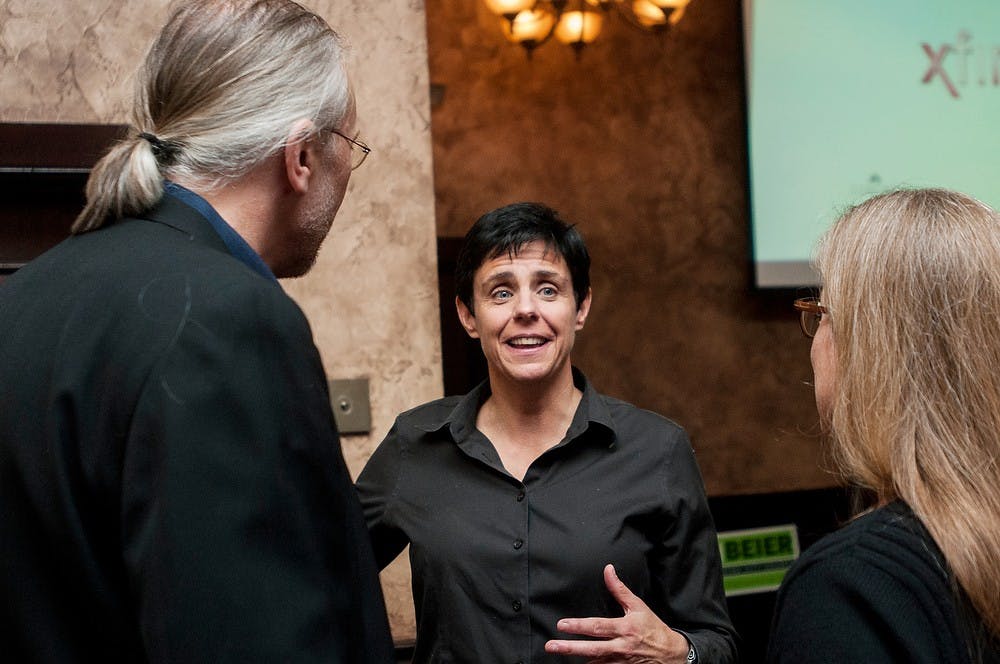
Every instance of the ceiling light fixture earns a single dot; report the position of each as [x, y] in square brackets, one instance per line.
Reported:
[577, 23]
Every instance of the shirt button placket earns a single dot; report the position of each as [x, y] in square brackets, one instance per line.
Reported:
[518, 545]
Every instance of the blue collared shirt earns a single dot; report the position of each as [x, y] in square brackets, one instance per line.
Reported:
[237, 246]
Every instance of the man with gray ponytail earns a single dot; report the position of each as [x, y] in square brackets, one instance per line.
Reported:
[171, 479]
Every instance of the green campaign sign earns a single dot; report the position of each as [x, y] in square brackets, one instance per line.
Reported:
[756, 560]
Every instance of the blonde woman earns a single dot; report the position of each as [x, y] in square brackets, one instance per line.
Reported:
[906, 358]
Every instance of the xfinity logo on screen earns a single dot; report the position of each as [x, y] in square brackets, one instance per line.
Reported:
[973, 64]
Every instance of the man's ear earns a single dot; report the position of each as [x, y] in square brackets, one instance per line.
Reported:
[467, 318]
[301, 155]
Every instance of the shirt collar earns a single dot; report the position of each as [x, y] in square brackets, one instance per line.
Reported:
[236, 245]
[461, 421]
[592, 411]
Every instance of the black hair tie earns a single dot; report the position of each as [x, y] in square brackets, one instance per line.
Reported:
[164, 151]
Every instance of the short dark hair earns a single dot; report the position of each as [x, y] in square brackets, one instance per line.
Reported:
[506, 230]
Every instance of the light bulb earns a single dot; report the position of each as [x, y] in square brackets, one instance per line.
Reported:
[649, 14]
[579, 27]
[508, 7]
[531, 26]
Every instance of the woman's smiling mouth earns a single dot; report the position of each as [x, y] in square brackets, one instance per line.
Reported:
[527, 342]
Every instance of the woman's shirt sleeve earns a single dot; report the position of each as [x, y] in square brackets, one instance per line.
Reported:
[376, 487]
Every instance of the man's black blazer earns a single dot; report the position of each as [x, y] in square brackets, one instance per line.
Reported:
[171, 481]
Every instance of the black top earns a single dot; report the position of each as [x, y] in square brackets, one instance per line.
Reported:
[875, 591]
[171, 480]
[496, 562]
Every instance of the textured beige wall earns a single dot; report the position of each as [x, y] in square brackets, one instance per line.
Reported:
[372, 297]
[641, 141]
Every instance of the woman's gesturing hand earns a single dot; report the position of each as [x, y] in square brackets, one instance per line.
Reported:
[638, 637]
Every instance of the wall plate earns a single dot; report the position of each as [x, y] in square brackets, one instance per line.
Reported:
[351, 405]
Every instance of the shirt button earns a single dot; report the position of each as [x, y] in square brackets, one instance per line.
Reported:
[518, 543]
[516, 605]
[520, 496]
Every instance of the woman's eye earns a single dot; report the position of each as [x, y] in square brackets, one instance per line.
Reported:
[547, 291]
[501, 294]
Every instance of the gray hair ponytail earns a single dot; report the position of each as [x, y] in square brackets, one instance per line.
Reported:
[219, 90]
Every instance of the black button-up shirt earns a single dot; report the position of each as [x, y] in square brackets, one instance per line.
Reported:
[496, 562]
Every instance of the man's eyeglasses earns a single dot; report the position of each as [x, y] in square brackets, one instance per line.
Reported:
[359, 151]
[811, 313]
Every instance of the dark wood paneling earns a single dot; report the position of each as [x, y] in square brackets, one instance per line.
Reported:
[54, 146]
[43, 172]
[463, 363]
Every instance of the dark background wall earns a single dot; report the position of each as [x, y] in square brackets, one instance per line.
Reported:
[641, 141]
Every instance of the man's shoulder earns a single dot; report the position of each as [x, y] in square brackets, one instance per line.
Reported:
[151, 252]
[144, 283]
[130, 246]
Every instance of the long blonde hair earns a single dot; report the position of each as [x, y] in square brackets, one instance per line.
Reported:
[219, 90]
[912, 283]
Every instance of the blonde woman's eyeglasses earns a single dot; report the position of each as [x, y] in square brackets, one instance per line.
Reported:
[811, 312]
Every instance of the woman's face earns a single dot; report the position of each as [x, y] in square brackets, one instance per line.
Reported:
[824, 363]
[525, 315]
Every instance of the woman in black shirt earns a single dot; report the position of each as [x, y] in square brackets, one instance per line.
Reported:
[516, 497]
